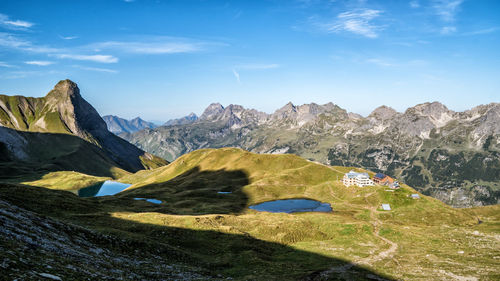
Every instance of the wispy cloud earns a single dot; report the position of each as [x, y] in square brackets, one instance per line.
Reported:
[384, 62]
[359, 21]
[39, 62]
[481, 31]
[97, 69]
[448, 29]
[447, 9]
[380, 62]
[23, 74]
[236, 75]
[414, 4]
[94, 58]
[4, 64]
[152, 46]
[14, 24]
[257, 66]
[68, 37]
[12, 41]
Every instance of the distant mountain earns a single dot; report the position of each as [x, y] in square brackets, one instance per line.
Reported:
[182, 121]
[453, 156]
[118, 125]
[62, 131]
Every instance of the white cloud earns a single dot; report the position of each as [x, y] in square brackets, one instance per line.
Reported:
[414, 4]
[380, 62]
[96, 69]
[447, 9]
[151, 46]
[236, 75]
[4, 64]
[481, 31]
[448, 29]
[94, 58]
[9, 40]
[384, 62]
[257, 66]
[14, 24]
[39, 62]
[23, 74]
[68, 37]
[357, 21]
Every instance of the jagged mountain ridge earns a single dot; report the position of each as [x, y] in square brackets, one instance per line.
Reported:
[63, 131]
[188, 119]
[118, 125]
[454, 156]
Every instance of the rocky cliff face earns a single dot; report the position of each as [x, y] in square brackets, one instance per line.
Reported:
[118, 125]
[428, 146]
[63, 124]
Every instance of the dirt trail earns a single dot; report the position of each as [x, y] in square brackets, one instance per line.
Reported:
[370, 260]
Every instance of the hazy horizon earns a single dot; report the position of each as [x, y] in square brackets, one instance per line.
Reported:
[164, 59]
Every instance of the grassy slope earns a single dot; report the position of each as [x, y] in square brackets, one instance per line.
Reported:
[419, 227]
[420, 239]
[65, 180]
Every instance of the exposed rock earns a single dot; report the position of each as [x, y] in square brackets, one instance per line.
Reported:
[425, 146]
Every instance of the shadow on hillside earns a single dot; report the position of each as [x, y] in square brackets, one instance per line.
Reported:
[51, 152]
[231, 254]
[194, 192]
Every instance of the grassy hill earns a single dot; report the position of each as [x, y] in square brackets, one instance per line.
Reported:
[418, 240]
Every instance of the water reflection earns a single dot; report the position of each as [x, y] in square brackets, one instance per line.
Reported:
[292, 206]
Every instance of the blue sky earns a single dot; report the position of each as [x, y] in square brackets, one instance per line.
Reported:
[164, 59]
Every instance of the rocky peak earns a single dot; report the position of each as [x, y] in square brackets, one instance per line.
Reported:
[212, 111]
[64, 89]
[285, 112]
[383, 113]
[75, 112]
[434, 110]
[435, 113]
[192, 116]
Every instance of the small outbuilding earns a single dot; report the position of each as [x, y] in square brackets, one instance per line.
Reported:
[415, 196]
[386, 207]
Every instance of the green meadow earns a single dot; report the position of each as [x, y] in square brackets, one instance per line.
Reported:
[419, 239]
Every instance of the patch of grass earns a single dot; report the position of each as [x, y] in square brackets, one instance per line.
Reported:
[66, 180]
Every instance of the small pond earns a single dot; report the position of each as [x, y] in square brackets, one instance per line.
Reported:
[292, 206]
[103, 189]
[154, 201]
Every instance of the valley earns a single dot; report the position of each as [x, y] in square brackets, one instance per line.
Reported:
[67, 191]
[302, 140]
[210, 235]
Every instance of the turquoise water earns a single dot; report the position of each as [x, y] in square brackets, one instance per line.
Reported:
[103, 189]
[154, 201]
[292, 206]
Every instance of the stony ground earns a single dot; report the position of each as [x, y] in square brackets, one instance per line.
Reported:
[33, 247]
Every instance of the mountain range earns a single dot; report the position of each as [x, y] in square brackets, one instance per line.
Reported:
[117, 125]
[62, 131]
[453, 156]
[196, 218]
